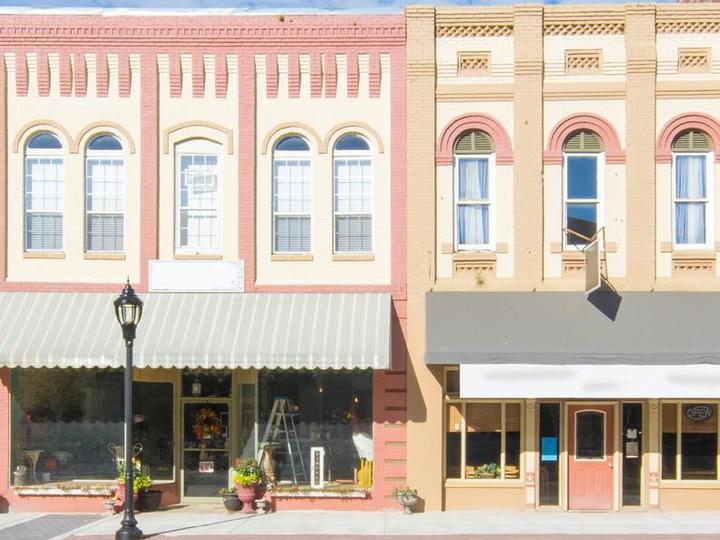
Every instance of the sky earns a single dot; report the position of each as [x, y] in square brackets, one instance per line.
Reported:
[239, 6]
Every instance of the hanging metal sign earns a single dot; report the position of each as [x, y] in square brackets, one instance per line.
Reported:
[699, 413]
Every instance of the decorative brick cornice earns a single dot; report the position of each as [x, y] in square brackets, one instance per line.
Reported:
[473, 30]
[39, 30]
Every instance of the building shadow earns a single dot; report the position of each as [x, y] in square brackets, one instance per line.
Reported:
[606, 299]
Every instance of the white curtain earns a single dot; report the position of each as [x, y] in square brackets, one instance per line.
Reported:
[690, 183]
[473, 185]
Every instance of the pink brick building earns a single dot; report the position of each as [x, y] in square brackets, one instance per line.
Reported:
[247, 173]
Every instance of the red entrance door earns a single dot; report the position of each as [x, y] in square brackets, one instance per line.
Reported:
[590, 467]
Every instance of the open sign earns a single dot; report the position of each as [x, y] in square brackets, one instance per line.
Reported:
[699, 413]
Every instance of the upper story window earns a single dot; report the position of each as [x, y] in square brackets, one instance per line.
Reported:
[692, 189]
[44, 193]
[352, 195]
[104, 195]
[583, 160]
[292, 195]
[474, 191]
[197, 213]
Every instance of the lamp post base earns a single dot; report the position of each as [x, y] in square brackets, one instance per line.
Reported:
[130, 532]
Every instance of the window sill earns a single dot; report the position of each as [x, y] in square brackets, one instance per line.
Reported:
[689, 484]
[321, 494]
[198, 256]
[475, 256]
[104, 256]
[347, 257]
[65, 490]
[43, 254]
[291, 257]
[479, 482]
[702, 253]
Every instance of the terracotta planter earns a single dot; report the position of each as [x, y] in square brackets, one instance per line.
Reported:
[231, 502]
[246, 494]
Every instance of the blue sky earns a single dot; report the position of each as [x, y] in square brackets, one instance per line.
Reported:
[262, 5]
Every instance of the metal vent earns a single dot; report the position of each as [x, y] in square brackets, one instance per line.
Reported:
[583, 141]
[692, 141]
[474, 142]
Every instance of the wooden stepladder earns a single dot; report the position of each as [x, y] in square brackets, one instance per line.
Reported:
[281, 430]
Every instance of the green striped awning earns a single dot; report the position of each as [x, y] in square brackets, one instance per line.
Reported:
[207, 330]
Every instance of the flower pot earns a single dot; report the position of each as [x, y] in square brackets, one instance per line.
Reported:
[231, 502]
[408, 501]
[246, 494]
[149, 500]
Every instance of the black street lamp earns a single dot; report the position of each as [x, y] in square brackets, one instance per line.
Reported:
[128, 310]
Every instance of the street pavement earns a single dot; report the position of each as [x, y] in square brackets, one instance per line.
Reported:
[194, 523]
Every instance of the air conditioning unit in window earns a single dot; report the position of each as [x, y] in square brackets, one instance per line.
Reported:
[199, 178]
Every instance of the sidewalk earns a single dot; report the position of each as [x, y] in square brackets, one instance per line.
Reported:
[198, 522]
[187, 523]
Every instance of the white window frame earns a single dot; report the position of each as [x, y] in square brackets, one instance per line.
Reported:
[198, 147]
[708, 200]
[48, 154]
[292, 155]
[490, 202]
[99, 155]
[359, 155]
[599, 200]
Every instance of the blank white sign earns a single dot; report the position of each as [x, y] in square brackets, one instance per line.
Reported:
[197, 276]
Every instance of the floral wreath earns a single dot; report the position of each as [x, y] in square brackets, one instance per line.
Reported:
[207, 424]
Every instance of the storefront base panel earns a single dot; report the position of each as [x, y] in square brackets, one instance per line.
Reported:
[485, 498]
[54, 503]
[331, 503]
[690, 499]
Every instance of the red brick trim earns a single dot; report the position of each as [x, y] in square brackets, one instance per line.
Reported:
[682, 122]
[605, 130]
[483, 122]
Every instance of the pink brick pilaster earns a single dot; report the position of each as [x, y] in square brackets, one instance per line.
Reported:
[148, 163]
[3, 171]
[4, 433]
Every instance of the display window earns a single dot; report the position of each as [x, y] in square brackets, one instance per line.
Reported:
[689, 441]
[483, 440]
[67, 426]
[306, 414]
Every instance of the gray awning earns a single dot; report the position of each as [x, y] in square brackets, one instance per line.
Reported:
[199, 330]
[566, 328]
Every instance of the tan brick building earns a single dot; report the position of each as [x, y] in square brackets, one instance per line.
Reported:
[533, 131]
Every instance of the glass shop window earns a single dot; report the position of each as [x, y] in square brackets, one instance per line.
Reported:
[66, 424]
[153, 427]
[490, 434]
[63, 421]
[689, 441]
[331, 410]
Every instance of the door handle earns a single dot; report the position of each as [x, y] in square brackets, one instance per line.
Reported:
[610, 464]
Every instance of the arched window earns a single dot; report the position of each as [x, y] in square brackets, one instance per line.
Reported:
[352, 195]
[583, 162]
[474, 191]
[197, 204]
[292, 195]
[44, 193]
[104, 195]
[692, 189]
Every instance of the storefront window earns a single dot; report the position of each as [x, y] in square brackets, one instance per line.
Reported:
[327, 409]
[62, 423]
[153, 427]
[694, 428]
[67, 422]
[490, 434]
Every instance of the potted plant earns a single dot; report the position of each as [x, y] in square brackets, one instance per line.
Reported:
[246, 476]
[230, 499]
[144, 498]
[408, 498]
